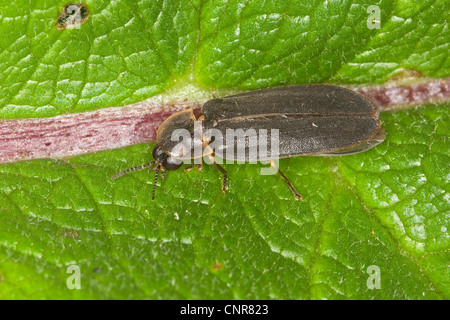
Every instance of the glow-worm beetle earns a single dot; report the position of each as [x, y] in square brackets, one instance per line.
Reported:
[310, 119]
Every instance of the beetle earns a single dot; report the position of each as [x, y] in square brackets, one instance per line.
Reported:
[310, 120]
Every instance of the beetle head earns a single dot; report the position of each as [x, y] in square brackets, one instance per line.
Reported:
[162, 161]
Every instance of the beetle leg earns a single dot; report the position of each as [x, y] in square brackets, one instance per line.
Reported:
[296, 194]
[189, 167]
[224, 172]
[163, 177]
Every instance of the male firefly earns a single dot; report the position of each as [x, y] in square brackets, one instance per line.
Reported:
[310, 120]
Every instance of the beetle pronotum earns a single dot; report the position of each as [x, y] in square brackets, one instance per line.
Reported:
[310, 120]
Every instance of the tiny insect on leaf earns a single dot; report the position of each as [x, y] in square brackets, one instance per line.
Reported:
[323, 120]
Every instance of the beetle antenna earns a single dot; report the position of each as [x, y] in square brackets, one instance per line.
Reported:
[156, 180]
[134, 169]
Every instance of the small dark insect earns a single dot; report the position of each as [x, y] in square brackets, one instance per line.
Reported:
[97, 270]
[309, 120]
[72, 15]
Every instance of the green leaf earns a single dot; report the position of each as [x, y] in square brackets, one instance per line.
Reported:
[385, 209]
